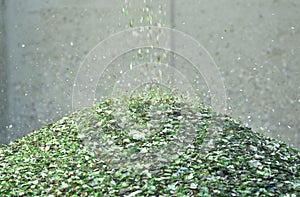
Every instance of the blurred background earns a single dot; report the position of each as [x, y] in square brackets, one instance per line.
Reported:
[256, 46]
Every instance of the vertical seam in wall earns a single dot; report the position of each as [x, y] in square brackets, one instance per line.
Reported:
[4, 97]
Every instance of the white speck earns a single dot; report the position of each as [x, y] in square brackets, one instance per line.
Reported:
[254, 148]
[35, 182]
[180, 117]
[23, 45]
[193, 186]
[272, 40]
[273, 110]
[137, 136]
[222, 37]
[172, 187]
[143, 150]
[103, 57]
[279, 123]
[64, 185]
[239, 58]
[289, 126]
[121, 71]
[10, 126]
[71, 44]
[108, 112]
[183, 23]
[292, 27]
[25, 94]
[254, 68]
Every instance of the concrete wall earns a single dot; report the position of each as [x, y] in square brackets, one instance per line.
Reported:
[3, 74]
[255, 45]
[45, 44]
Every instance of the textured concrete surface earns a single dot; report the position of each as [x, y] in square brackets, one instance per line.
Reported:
[254, 44]
[3, 79]
[46, 42]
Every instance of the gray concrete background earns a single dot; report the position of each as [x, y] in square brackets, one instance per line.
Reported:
[3, 73]
[255, 45]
